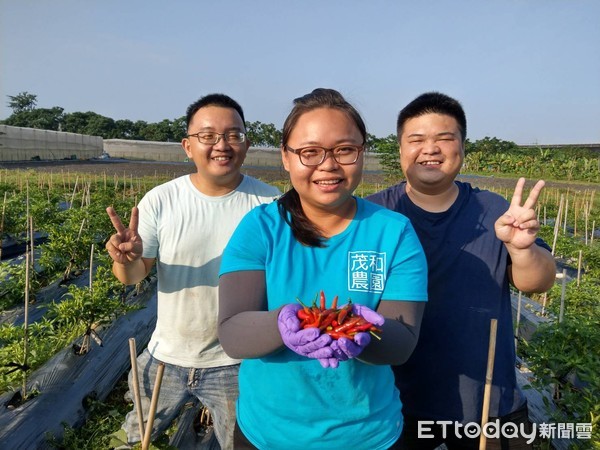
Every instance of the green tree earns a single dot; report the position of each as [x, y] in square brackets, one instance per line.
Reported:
[23, 101]
[179, 128]
[76, 122]
[43, 118]
[389, 156]
[263, 134]
[493, 145]
[99, 125]
[126, 129]
[160, 131]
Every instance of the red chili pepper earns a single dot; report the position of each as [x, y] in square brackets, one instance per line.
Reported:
[348, 325]
[322, 301]
[343, 313]
[327, 320]
[337, 335]
[363, 326]
[304, 314]
[334, 303]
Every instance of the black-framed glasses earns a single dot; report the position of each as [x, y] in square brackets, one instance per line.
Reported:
[313, 156]
[212, 138]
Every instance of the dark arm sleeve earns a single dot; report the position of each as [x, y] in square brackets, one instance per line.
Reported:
[400, 333]
[246, 329]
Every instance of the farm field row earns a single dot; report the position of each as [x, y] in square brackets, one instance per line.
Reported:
[65, 201]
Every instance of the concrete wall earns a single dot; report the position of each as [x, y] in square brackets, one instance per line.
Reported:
[25, 144]
[170, 151]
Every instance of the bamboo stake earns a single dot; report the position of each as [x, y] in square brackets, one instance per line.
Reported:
[562, 296]
[91, 266]
[557, 224]
[74, 191]
[579, 267]
[488, 382]
[575, 220]
[31, 239]
[544, 300]
[136, 386]
[592, 235]
[27, 236]
[25, 330]
[566, 214]
[2, 222]
[153, 403]
[586, 221]
[519, 301]
[544, 214]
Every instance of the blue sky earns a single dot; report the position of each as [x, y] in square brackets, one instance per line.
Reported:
[526, 71]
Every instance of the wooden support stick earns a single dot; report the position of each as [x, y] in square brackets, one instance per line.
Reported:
[2, 221]
[155, 392]
[136, 385]
[519, 302]
[488, 382]
[26, 327]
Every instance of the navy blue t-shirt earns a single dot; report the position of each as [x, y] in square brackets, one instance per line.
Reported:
[468, 286]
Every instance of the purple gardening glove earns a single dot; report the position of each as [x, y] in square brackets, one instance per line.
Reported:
[368, 314]
[344, 348]
[307, 342]
[347, 348]
[329, 362]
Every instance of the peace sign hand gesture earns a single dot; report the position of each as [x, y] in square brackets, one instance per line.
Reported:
[518, 227]
[125, 246]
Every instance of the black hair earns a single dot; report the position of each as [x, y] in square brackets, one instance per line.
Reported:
[433, 103]
[289, 204]
[222, 100]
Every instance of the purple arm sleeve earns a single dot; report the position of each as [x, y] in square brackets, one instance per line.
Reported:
[246, 329]
[400, 333]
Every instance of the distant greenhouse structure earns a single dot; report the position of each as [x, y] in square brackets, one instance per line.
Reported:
[27, 144]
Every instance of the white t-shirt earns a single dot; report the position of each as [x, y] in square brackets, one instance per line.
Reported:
[186, 231]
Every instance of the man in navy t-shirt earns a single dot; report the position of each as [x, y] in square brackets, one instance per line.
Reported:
[476, 244]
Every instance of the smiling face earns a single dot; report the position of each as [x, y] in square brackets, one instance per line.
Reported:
[431, 152]
[328, 186]
[218, 165]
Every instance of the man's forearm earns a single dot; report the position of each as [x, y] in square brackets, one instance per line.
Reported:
[131, 273]
[533, 269]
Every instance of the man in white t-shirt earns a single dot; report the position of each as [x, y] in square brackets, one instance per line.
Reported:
[182, 226]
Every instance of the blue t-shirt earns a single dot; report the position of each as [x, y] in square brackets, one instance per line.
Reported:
[288, 401]
[468, 286]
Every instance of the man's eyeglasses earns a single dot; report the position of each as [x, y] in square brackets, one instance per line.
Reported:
[210, 138]
[313, 156]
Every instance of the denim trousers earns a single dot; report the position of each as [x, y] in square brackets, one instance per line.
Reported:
[215, 387]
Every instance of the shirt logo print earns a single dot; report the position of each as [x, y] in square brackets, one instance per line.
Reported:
[366, 271]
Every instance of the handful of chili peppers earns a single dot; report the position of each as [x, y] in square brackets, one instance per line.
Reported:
[336, 322]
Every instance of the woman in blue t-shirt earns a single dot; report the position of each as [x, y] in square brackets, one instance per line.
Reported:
[301, 388]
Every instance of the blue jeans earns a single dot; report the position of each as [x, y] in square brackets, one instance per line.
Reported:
[215, 387]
